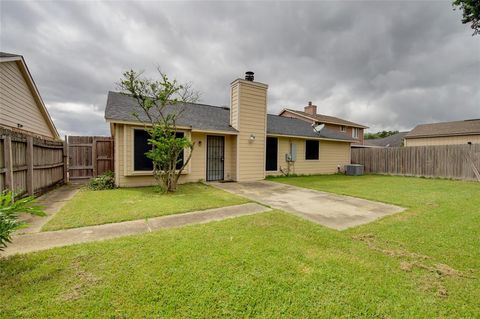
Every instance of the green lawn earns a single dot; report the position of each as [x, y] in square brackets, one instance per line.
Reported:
[117, 205]
[423, 263]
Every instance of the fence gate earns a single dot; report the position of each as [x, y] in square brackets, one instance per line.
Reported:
[89, 156]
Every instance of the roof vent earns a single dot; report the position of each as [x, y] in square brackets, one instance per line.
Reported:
[249, 76]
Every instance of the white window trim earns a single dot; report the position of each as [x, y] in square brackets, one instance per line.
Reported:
[355, 132]
[343, 128]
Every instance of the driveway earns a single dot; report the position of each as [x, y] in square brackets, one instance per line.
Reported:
[334, 211]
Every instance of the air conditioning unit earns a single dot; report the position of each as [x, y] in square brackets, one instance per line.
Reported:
[354, 169]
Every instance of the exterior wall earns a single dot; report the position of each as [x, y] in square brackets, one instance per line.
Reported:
[17, 103]
[195, 171]
[251, 106]
[331, 154]
[331, 126]
[446, 140]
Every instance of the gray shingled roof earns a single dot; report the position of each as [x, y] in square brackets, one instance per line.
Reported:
[8, 55]
[207, 117]
[466, 127]
[321, 118]
[289, 126]
[198, 116]
[395, 140]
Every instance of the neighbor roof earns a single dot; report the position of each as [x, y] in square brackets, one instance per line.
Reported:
[395, 140]
[325, 118]
[466, 127]
[8, 55]
[213, 118]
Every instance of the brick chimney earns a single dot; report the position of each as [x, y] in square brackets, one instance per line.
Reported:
[311, 109]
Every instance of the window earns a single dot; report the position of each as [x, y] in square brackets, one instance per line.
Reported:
[355, 132]
[343, 128]
[140, 146]
[311, 150]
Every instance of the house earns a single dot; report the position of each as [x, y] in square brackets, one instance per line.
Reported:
[445, 133]
[240, 143]
[310, 115]
[395, 140]
[21, 106]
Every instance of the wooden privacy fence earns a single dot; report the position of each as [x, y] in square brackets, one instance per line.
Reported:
[447, 161]
[30, 165]
[89, 156]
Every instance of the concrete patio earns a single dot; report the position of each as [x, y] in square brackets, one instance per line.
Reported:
[334, 211]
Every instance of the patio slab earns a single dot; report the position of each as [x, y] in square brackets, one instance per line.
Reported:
[334, 211]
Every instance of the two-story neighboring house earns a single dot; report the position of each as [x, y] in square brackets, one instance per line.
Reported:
[333, 123]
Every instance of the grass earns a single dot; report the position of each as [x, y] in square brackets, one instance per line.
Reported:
[110, 206]
[423, 263]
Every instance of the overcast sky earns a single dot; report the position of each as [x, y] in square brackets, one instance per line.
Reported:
[388, 65]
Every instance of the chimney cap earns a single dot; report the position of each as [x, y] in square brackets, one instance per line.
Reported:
[309, 103]
[249, 76]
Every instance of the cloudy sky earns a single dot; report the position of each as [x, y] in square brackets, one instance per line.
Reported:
[386, 64]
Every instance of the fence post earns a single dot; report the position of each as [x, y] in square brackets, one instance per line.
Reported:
[65, 160]
[8, 160]
[29, 160]
[94, 157]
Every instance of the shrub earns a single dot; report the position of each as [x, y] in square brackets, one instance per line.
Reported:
[9, 211]
[105, 181]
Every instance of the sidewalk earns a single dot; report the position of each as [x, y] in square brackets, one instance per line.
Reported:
[52, 202]
[44, 240]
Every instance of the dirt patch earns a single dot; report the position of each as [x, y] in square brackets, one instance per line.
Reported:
[433, 282]
[373, 244]
[82, 281]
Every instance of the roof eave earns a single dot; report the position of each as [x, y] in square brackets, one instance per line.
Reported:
[443, 135]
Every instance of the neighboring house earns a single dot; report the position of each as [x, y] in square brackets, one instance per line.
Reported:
[333, 123]
[240, 143]
[395, 140]
[445, 133]
[21, 106]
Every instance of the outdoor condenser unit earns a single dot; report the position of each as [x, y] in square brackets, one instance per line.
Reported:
[354, 169]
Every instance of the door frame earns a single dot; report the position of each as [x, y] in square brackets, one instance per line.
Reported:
[206, 158]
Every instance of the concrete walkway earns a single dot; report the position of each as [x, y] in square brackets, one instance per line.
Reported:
[44, 240]
[52, 202]
[334, 211]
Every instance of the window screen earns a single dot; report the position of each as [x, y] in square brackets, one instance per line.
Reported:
[311, 150]
[140, 144]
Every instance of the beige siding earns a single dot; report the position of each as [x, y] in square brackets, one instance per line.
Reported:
[252, 109]
[194, 172]
[17, 103]
[234, 102]
[331, 154]
[447, 140]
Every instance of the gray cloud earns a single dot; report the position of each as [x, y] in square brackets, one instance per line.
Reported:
[389, 65]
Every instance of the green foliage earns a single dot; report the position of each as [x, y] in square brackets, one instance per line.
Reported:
[102, 182]
[471, 13]
[9, 211]
[153, 97]
[382, 134]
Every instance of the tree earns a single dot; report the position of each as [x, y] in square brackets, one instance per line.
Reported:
[161, 101]
[382, 134]
[9, 211]
[471, 13]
